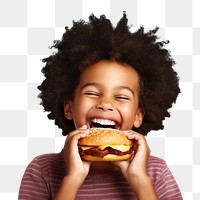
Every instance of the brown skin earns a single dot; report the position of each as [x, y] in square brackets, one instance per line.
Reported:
[107, 90]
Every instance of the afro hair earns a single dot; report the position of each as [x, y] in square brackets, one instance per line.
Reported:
[86, 43]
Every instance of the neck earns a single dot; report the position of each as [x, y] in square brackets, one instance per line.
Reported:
[102, 168]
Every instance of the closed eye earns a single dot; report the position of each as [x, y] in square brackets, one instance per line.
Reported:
[93, 94]
[122, 97]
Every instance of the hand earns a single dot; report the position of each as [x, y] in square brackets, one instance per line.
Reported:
[75, 167]
[137, 167]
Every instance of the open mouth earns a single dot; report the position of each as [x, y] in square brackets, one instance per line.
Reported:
[103, 123]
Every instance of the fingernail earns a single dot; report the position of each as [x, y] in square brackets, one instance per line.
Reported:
[84, 127]
[126, 132]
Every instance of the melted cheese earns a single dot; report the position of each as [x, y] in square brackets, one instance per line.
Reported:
[85, 148]
[121, 148]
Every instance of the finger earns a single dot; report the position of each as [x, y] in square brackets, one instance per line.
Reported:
[131, 133]
[82, 128]
[136, 136]
[138, 140]
[128, 132]
[76, 135]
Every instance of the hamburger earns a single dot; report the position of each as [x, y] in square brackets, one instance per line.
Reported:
[105, 144]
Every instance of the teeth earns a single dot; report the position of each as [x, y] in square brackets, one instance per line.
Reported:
[104, 122]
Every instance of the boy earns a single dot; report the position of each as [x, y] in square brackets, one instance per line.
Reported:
[102, 74]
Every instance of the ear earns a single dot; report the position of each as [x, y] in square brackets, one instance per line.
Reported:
[138, 118]
[68, 110]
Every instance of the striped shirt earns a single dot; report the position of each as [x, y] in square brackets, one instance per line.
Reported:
[44, 175]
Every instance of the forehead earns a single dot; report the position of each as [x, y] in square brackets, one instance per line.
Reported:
[111, 73]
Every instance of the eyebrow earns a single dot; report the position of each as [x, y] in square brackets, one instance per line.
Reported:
[125, 88]
[90, 84]
[99, 85]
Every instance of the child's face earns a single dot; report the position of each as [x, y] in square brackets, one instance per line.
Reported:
[107, 95]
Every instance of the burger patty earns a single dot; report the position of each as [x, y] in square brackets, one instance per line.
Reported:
[94, 151]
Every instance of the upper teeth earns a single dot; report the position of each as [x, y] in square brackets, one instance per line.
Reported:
[103, 121]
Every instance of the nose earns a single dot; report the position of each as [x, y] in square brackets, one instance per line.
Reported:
[105, 105]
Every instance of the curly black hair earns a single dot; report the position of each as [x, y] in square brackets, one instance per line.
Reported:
[86, 43]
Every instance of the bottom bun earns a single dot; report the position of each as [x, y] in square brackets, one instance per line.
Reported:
[109, 157]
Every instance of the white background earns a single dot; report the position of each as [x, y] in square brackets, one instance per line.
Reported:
[28, 28]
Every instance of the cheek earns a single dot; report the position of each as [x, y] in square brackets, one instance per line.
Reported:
[126, 108]
[78, 116]
[128, 112]
[80, 110]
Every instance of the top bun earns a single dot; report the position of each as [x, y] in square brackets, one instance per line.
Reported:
[104, 136]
